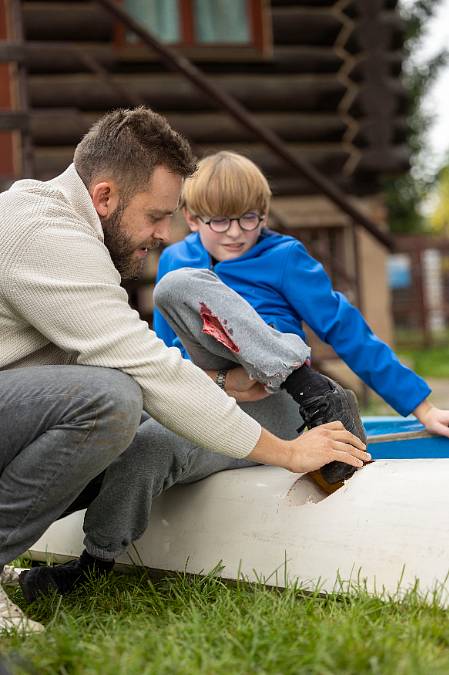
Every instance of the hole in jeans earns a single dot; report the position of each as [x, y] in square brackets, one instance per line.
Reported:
[214, 327]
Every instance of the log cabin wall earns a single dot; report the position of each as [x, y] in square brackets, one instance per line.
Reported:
[14, 119]
[329, 87]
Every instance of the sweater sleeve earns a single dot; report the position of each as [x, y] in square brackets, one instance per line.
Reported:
[62, 281]
[329, 314]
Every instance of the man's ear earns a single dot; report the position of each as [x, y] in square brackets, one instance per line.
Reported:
[105, 197]
[192, 221]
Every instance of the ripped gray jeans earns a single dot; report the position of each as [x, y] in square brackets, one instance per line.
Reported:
[220, 329]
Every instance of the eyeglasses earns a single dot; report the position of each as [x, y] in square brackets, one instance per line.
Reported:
[247, 222]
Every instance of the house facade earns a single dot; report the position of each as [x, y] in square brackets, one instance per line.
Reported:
[324, 75]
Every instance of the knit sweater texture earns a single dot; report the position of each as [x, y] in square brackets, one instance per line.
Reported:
[61, 303]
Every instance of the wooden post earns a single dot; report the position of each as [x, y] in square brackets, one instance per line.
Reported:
[418, 274]
[9, 152]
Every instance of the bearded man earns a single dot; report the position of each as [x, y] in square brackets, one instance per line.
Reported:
[91, 402]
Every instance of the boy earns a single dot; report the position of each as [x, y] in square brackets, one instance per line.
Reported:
[242, 300]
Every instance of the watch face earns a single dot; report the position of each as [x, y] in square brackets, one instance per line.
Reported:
[221, 378]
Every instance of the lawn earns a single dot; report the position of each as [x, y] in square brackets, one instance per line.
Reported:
[130, 625]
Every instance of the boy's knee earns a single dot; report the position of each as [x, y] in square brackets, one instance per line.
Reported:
[177, 284]
[169, 288]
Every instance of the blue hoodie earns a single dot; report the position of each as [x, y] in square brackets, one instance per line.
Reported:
[286, 286]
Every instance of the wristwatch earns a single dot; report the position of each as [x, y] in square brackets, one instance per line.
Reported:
[221, 378]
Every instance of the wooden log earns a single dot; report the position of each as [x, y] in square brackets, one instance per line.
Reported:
[306, 26]
[171, 92]
[66, 21]
[303, 59]
[285, 59]
[65, 126]
[59, 126]
[58, 57]
[328, 155]
[66, 57]
[282, 186]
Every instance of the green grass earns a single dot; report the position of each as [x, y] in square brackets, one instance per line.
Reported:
[427, 361]
[430, 362]
[130, 625]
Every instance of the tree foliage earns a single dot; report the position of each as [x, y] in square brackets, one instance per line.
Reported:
[405, 194]
[439, 216]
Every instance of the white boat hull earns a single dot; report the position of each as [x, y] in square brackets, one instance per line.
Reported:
[387, 526]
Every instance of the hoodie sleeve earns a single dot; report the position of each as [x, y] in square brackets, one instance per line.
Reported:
[331, 316]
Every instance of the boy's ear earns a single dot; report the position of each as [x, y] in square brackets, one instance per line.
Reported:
[191, 221]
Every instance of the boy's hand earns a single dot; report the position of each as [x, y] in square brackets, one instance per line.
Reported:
[239, 385]
[434, 419]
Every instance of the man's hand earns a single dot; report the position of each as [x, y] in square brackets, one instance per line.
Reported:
[326, 443]
[434, 419]
[309, 452]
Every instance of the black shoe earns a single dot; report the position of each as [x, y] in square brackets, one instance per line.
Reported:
[61, 578]
[337, 404]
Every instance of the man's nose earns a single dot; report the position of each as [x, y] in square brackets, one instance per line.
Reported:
[163, 230]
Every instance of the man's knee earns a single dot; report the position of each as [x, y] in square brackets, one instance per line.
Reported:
[118, 402]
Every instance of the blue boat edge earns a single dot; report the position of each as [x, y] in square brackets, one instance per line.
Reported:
[429, 447]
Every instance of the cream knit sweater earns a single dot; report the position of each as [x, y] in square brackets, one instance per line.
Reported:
[61, 303]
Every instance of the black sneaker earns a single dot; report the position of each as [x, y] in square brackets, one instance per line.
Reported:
[60, 578]
[340, 405]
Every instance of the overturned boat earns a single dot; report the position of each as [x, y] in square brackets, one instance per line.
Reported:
[387, 528]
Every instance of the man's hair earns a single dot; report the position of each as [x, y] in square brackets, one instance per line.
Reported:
[226, 184]
[127, 145]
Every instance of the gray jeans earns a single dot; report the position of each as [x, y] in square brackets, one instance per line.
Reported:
[66, 431]
[60, 426]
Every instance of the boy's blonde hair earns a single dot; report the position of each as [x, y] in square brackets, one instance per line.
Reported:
[226, 184]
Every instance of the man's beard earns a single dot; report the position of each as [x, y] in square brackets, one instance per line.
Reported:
[120, 246]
